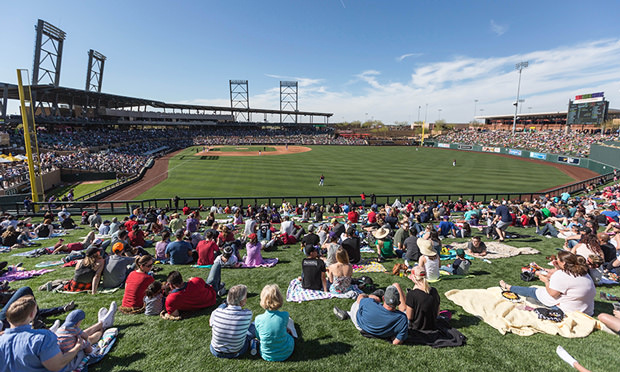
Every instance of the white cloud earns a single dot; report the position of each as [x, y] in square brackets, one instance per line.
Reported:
[552, 78]
[401, 58]
[498, 29]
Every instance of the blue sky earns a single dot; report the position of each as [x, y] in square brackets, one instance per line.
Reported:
[358, 59]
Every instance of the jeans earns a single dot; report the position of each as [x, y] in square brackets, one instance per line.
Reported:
[528, 292]
[265, 236]
[549, 229]
[41, 313]
[246, 345]
[215, 276]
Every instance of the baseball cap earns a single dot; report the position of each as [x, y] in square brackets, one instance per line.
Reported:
[460, 252]
[309, 248]
[74, 318]
[132, 216]
[91, 251]
[118, 247]
[391, 296]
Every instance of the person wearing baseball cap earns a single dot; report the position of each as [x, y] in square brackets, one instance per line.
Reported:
[313, 270]
[373, 319]
[117, 267]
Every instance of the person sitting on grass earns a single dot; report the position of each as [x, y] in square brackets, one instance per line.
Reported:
[70, 334]
[136, 284]
[193, 295]
[373, 319]
[231, 325]
[340, 273]
[179, 252]
[330, 248]
[429, 259]
[352, 245]
[253, 246]
[568, 287]
[447, 229]
[273, 328]
[611, 321]
[87, 273]
[460, 266]
[160, 247]
[206, 249]
[44, 230]
[227, 258]
[401, 234]
[25, 349]
[154, 299]
[137, 238]
[476, 247]
[383, 242]
[117, 267]
[313, 270]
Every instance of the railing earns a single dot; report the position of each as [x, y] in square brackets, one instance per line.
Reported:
[127, 206]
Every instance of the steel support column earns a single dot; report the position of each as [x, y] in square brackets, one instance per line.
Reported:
[94, 73]
[288, 101]
[240, 98]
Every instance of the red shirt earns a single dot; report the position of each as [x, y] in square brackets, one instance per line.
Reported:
[195, 295]
[130, 224]
[136, 238]
[206, 252]
[186, 211]
[353, 216]
[135, 286]
[372, 217]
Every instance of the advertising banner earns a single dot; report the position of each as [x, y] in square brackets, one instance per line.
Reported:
[491, 149]
[444, 145]
[538, 155]
[466, 147]
[515, 152]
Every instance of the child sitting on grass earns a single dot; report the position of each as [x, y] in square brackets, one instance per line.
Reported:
[153, 299]
[70, 333]
[228, 258]
[460, 266]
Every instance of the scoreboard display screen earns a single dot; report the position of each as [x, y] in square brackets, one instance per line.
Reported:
[587, 113]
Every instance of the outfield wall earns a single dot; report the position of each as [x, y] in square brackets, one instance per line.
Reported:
[602, 165]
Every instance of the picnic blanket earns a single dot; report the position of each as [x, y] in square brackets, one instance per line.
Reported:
[49, 263]
[505, 316]
[20, 273]
[367, 249]
[296, 293]
[202, 266]
[268, 262]
[25, 254]
[452, 256]
[4, 249]
[372, 267]
[499, 250]
[54, 235]
[101, 349]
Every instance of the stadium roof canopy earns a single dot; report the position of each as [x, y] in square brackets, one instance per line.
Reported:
[537, 115]
[80, 97]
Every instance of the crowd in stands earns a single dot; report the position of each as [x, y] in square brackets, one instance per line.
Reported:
[555, 142]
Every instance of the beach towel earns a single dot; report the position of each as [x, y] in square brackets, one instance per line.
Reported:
[372, 267]
[101, 349]
[4, 249]
[452, 256]
[505, 316]
[49, 263]
[498, 250]
[54, 235]
[20, 273]
[296, 293]
[268, 262]
[25, 254]
[202, 266]
[367, 249]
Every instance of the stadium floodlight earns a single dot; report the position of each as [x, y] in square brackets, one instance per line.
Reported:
[519, 66]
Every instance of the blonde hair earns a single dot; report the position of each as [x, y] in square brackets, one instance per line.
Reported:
[271, 297]
[421, 280]
[342, 256]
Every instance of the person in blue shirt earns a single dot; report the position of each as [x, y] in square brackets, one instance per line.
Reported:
[387, 320]
[179, 252]
[446, 227]
[274, 329]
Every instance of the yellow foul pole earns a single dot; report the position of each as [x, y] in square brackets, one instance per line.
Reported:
[26, 124]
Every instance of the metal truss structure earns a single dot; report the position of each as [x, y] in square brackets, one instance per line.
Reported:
[240, 99]
[288, 101]
[47, 61]
[94, 74]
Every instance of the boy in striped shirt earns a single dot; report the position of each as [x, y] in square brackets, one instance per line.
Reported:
[232, 328]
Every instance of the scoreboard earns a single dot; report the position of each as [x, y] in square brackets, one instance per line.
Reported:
[587, 112]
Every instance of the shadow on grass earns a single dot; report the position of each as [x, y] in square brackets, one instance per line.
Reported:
[479, 272]
[463, 321]
[110, 361]
[314, 350]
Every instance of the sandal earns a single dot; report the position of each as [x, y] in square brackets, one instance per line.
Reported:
[503, 285]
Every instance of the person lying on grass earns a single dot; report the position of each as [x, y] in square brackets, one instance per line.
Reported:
[193, 295]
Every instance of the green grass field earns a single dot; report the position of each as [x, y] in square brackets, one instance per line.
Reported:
[152, 344]
[350, 171]
[244, 148]
[80, 188]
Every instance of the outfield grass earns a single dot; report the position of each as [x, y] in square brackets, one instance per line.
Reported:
[152, 344]
[242, 148]
[350, 171]
[80, 188]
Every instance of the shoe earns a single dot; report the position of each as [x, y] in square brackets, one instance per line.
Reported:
[70, 306]
[379, 293]
[222, 292]
[102, 313]
[108, 319]
[55, 326]
[341, 314]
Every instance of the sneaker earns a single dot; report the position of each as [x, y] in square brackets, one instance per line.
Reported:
[102, 313]
[341, 314]
[222, 292]
[55, 326]
[108, 319]
[70, 306]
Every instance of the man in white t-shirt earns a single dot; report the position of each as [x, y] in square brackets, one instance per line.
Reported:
[287, 226]
[250, 226]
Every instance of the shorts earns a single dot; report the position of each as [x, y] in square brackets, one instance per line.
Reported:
[503, 225]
